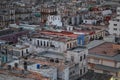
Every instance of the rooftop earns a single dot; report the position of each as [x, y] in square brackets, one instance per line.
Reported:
[19, 75]
[20, 46]
[91, 75]
[105, 48]
[94, 43]
[62, 33]
[78, 49]
[9, 31]
[53, 37]
[49, 54]
[44, 70]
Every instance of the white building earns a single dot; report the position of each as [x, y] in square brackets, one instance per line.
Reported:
[60, 52]
[114, 26]
[54, 20]
[44, 70]
[56, 44]
[106, 12]
[20, 50]
[25, 26]
[89, 21]
[118, 11]
[78, 55]
[70, 65]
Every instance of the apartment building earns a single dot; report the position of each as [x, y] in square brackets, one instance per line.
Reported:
[104, 58]
[7, 14]
[90, 32]
[70, 65]
[45, 11]
[114, 26]
[20, 50]
[54, 20]
[52, 43]
[118, 10]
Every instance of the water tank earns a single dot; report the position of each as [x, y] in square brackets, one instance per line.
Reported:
[38, 66]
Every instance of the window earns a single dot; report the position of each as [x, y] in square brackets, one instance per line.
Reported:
[80, 58]
[41, 43]
[115, 24]
[44, 43]
[115, 29]
[70, 45]
[80, 71]
[27, 51]
[72, 58]
[30, 39]
[38, 42]
[84, 69]
[84, 56]
[72, 72]
[67, 45]
[22, 52]
[75, 44]
[85, 21]
[47, 44]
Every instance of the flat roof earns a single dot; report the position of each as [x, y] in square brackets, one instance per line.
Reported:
[50, 54]
[78, 49]
[105, 48]
[62, 33]
[91, 75]
[94, 43]
[53, 37]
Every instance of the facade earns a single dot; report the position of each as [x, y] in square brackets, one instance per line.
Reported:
[105, 59]
[45, 12]
[114, 26]
[25, 26]
[78, 55]
[88, 33]
[54, 20]
[57, 44]
[118, 10]
[60, 52]
[20, 50]
[7, 14]
[70, 65]
[88, 21]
